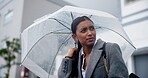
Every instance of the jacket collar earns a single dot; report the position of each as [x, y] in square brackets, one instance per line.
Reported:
[93, 58]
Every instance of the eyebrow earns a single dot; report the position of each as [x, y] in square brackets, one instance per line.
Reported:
[89, 26]
[86, 27]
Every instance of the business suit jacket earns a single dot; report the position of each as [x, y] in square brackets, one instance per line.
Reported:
[96, 67]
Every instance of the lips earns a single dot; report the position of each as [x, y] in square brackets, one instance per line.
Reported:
[90, 39]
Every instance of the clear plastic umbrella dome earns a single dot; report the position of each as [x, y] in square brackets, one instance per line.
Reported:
[47, 41]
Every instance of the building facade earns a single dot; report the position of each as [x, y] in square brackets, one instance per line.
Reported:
[10, 26]
[135, 21]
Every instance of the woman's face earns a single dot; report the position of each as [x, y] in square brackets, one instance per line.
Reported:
[86, 33]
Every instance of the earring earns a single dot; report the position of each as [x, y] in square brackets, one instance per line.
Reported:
[76, 42]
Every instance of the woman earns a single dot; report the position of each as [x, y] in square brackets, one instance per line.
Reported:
[88, 61]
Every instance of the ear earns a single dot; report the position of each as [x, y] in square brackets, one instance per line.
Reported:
[74, 36]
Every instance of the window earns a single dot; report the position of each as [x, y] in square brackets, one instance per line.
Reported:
[130, 1]
[3, 43]
[2, 72]
[3, 3]
[141, 63]
[8, 17]
[0, 22]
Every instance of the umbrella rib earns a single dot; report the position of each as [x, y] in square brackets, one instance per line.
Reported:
[66, 39]
[118, 34]
[90, 16]
[72, 16]
[61, 32]
[56, 32]
[60, 22]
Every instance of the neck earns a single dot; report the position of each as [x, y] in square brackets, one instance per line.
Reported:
[87, 49]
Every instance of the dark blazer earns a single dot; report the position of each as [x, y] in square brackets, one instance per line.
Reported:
[96, 67]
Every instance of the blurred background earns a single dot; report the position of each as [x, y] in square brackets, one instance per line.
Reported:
[16, 15]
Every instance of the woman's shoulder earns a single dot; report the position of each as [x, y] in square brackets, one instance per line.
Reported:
[113, 51]
[112, 45]
[109, 46]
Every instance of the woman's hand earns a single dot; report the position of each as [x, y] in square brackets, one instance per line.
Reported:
[71, 52]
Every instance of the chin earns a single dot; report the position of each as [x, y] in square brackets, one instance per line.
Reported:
[91, 44]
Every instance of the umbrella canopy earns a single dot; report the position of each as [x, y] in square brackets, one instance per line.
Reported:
[45, 42]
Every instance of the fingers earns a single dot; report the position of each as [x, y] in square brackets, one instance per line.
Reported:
[72, 50]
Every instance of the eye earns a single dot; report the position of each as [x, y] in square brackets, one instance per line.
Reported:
[91, 28]
[83, 30]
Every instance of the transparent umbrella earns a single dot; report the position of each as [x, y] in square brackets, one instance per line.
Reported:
[45, 42]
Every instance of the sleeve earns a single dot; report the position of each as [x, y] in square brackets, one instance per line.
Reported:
[65, 68]
[117, 67]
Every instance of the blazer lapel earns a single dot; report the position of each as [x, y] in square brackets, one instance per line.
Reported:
[94, 58]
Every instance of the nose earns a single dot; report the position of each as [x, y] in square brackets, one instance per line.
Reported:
[89, 33]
